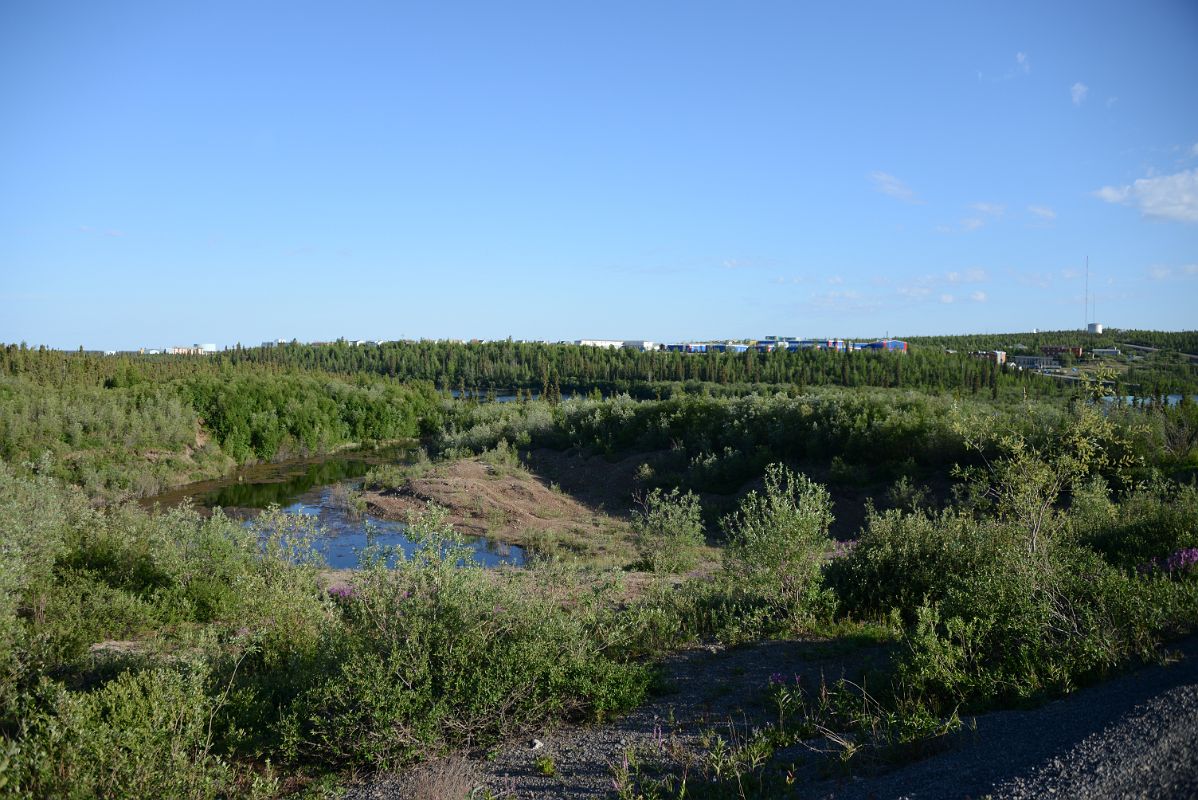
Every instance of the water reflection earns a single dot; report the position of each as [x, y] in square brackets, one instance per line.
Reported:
[345, 537]
[305, 487]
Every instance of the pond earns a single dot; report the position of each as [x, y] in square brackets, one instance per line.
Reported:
[306, 487]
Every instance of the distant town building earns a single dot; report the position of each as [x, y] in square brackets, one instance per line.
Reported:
[1060, 350]
[997, 356]
[1106, 351]
[193, 350]
[610, 344]
[639, 344]
[1095, 328]
[1035, 362]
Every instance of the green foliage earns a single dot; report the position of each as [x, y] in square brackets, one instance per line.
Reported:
[478, 368]
[903, 560]
[1029, 625]
[143, 734]
[669, 530]
[1012, 604]
[434, 653]
[778, 538]
[1150, 523]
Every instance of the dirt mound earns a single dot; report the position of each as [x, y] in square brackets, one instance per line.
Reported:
[509, 504]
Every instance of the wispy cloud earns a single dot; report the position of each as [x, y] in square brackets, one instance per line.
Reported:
[989, 209]
[947, 298]
[978, 297]
[914, 292]
[972, 275]
[972, 223]
[843, 300]
[1170, 197]
[1041, 280]
[891, 186]
[1078, 92]
[1194, 150]
[1043, 212]
[1022, 63]
[1163, 273]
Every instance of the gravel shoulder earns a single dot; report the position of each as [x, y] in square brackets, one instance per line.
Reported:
[1134, 736]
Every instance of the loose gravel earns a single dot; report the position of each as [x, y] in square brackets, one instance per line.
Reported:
[1133, 737]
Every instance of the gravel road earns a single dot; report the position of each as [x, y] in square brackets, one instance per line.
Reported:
[1132, 737]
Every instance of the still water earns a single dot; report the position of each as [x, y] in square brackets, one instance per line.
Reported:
[306, 487]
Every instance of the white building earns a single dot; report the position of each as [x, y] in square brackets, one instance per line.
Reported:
[610, 344]
[639, 344]
[1094, 327]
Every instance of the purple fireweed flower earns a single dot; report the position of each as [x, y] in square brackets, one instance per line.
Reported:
[341, 592]
[1183, 560]
[777, 679]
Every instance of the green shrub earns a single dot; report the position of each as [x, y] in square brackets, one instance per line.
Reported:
[1150, 523]
[669, 530]
[1024, 626]
[905, 560]
[778, 540]
[143, 734]
[436, 653]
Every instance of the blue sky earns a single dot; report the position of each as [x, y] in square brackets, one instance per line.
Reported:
[220, 172]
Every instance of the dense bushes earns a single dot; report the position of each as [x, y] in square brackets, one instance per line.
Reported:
[723, 442]
[134, 438]
[435, 654]
[160, 653]
[265, 417]
[669, 530]
[1010, 601]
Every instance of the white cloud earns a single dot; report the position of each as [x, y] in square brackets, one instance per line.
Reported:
[1112, 195]
[989, 209]
[891, 186]
[972, 275]
[1078, 92]
[1043, 212]
[848, 300]
[947, 298]
[1110, 102]
[1163, 273]
[972, 223]
[1173, 197]
[1194, 149]
[978, 297]
[1069, 273]
[1042, 280]
[1021, 60]
[835, 280]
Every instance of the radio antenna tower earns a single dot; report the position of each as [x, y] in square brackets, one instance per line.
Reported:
[1086, 301]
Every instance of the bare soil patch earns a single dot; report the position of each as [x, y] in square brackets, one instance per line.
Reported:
[510, 505]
